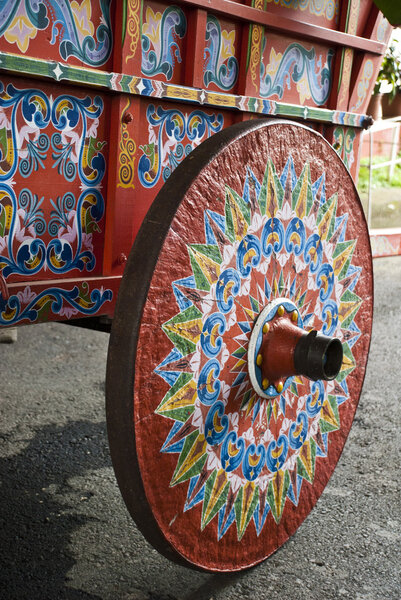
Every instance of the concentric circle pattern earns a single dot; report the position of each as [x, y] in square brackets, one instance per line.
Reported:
[238, 471]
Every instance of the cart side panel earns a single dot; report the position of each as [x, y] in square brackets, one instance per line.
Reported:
[366, 67]
[54, 148]
[72, 32]
[164, 30]
[295, 71]
[151, 138]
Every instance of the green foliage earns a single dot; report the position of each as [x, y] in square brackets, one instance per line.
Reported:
[391, 10]
[390, 70]
[379, 176]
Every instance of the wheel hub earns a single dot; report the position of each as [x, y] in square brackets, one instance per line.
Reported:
[280, 348]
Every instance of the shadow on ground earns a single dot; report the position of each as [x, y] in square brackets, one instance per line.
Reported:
[36, 526]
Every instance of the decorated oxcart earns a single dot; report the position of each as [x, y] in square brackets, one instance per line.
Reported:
[160, 133]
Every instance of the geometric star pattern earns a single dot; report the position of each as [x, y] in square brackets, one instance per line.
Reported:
[240, 455]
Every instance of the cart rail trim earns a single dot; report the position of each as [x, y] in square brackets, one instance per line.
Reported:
[134, 85]
[286, 24]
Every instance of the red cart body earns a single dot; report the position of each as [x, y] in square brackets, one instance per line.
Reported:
[100, 100]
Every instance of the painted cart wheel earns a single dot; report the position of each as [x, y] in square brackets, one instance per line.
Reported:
[239, 344]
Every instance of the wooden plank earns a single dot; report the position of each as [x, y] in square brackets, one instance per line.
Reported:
[195, 48]
[287, 25]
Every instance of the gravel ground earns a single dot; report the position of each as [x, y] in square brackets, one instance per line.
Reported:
[65, 532]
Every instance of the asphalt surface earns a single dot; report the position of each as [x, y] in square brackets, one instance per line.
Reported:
[65, 532]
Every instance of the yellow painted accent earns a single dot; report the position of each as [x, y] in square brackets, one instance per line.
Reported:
[177, 91]
[250, 404]
[259, 360]
[222, 99]
[189, 330]
[294, 315]
[342, 258]
[328, 415]
[347, 363]
[185, 396]
[265, 383]
[280, 387]
[239, 222]
[210, 269]
[324, 224]
[133, 26]
[196, 453]
[238, 366]
[126, 157]
[306, 457]
[20, 32]
[278, 488]
[300, 208]
[266, 327]
[247, 497]
[275, 408]
[219, 486]
[280, 310]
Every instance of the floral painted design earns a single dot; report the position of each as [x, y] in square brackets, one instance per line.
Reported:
[310, 73]
[70, 24]
[62, 131]
[160, 35]
[221, 66]
[243, 456]
[173, 134]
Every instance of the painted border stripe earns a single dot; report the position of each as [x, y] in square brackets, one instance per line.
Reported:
[131, 84]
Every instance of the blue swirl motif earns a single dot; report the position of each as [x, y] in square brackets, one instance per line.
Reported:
[36, 155]
[35, 108]
[93, 51]
[67, 111]
[272, 237]
[61, 257]
[248, 254]
[223, 73]
[330, 317]
[60, 214]
[325, 279]
[21, 221]
[298, 431]
[34, 216]
[296, 61]
[216, 431]
[62, 156]
[313, 253]
[175, 126]
[227, 287]
[314, 401]
[295, 232]
[213, 328]
[13, 311]
[252, 467]
[31, 252]
[232, 451]
[64, 114]
[280, 450]
[174, 159]
[161, 52]
[208, 377]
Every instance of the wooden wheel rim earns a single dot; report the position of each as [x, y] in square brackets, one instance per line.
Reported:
[214, 476]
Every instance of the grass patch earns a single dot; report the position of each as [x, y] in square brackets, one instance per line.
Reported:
[379, 176]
